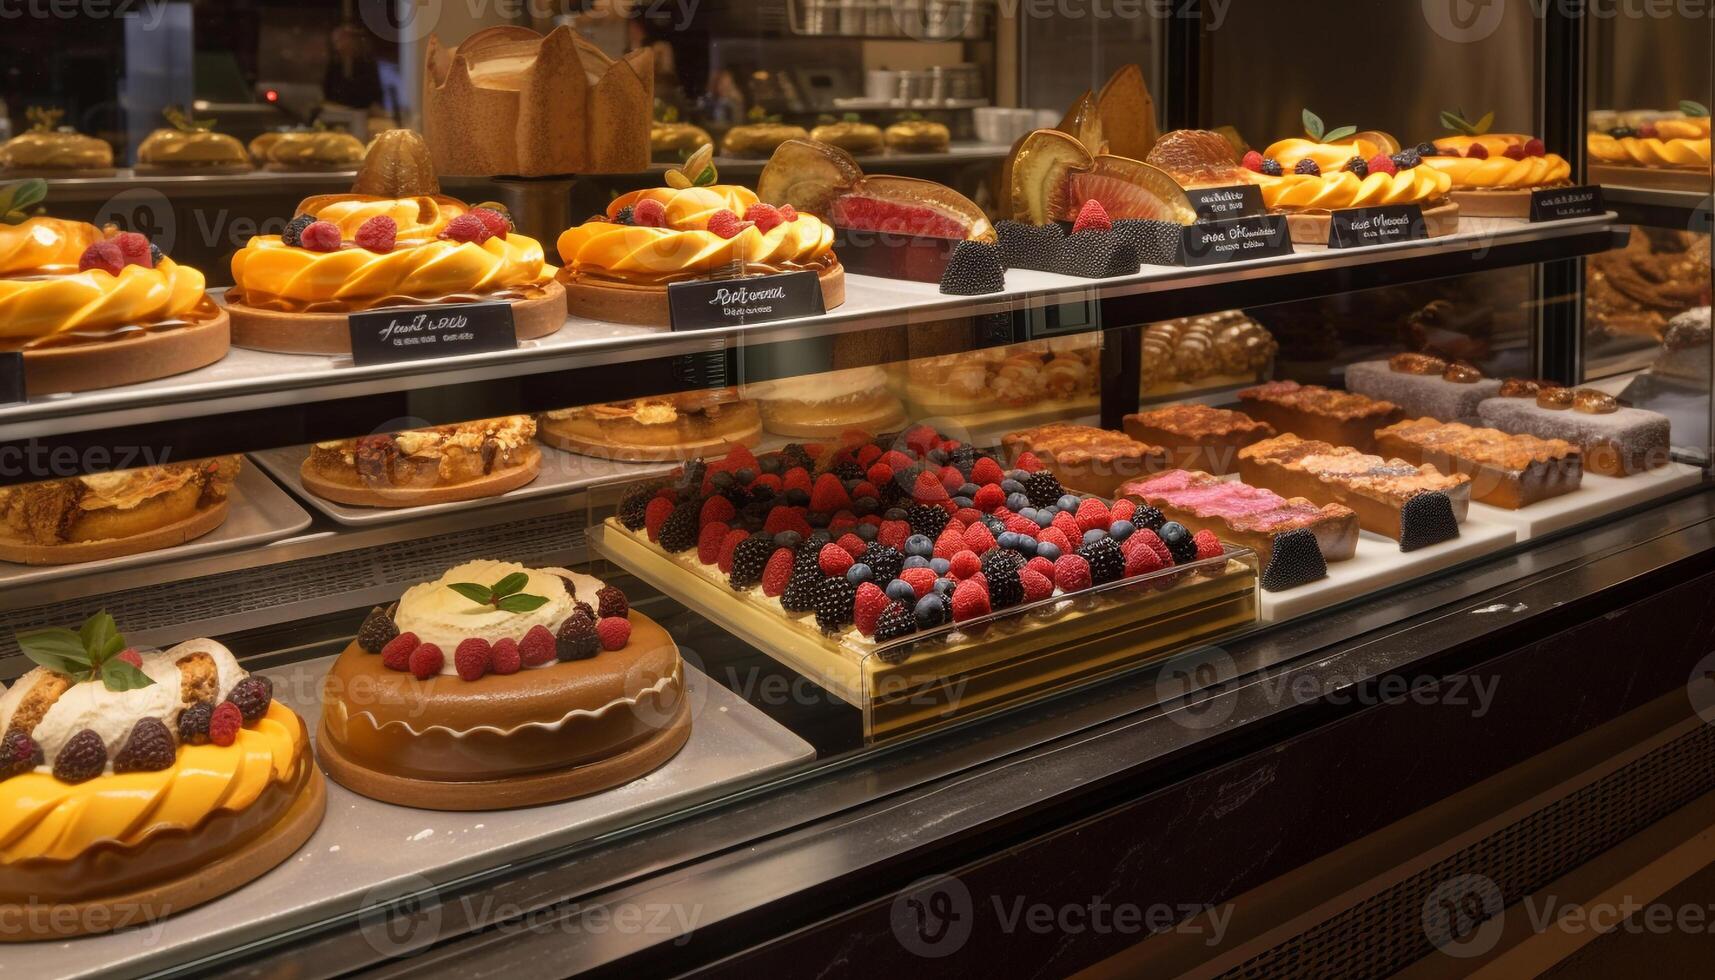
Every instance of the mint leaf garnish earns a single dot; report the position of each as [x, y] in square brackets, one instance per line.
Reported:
[1339, 134]
[89, 654]
[511, 583]
[520, 603]
[1313, 125]
[56, 648]
[503, 595]
[121, 676]
[482, 595]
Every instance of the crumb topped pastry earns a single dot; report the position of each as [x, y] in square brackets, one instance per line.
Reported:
[659, 428]
[1198, 437]
[106, 515]
[1084, 458]
[1382, 491]
[1506, 470]
[1614, 440]
[1250, 516]
[444, 463]
[125, 770]
[1314, 412]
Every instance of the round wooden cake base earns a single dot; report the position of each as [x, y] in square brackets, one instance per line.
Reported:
[127, 360]
[1658, 178]
[1478, 203]
[1312, 228]
[492, 485]
[72, 553]
[228, 873]
[329, 333]
[516, 791]
[625, 453]
[190, 169]
[891, 419]
[646, 305]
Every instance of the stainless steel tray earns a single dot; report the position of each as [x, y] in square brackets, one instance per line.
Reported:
[259, 512]
[367, 853]
[562, 472]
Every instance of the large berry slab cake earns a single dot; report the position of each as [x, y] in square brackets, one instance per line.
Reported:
[917, 557]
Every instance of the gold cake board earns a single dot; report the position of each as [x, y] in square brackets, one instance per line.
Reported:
[66, 920]
[514, 791]
[1019, 657]
[145, 356]
[330, 333]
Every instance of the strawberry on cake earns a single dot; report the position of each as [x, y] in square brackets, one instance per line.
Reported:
[500, 686]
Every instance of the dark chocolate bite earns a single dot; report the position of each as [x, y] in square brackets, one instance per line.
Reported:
[1295, 560]
[1426, 519]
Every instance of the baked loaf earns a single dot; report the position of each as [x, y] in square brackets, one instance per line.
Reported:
[112, 514]
[1196, 436]
[1253, 517]
[1615, 441]
[423, 466]
[1685, 347]
[1510, 471]
[1414, 505]
[1084, 458]
[1190, 349]
[1424, 386]
[667, 427]
[1317, 413]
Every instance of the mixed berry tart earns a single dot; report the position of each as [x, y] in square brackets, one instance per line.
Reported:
[129, 775]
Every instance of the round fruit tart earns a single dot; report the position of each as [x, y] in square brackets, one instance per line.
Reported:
[93, 308]
[500, 686]
[1674, 147]
[618, 265]
[307, 149]
[1494, 173]
[48, 149]
[395, 241]
[137, 779]
[190, 146]
[1307, 178]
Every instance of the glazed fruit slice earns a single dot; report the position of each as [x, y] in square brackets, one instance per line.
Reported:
[1083, 122]
[1128, 114]
[909, 206]
[1053, 176]
[825, 181]
[808, 176]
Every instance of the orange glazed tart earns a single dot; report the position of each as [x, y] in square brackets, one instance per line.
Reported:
[134, 783]
[501, 686]
[1308, 178]
[1494, 173]
[618, 265]
[96, 309]
[1669, 150]
[48, 149]
[395, 241]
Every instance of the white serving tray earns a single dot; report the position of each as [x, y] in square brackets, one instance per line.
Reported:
[562, 473]
[1379, 563]
[257, 512]
[1596, 496]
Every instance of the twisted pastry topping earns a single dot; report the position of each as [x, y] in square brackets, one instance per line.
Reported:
[272, 275]
[55, 150]
[42, 817]
[1652, 151]
[1344, 189]
[685, 248]
[175, 147]
[298, 148]
[1497, 170]
[42, 293]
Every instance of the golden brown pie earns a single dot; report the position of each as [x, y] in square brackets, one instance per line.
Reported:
[441, 464]
[107, 515]
[660, 428]
[1085, 458]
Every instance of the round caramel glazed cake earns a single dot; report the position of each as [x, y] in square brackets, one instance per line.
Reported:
[210, 806]
[584, 721]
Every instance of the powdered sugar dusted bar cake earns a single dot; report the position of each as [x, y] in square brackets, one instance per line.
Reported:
[1615, 441]
[1424, 386]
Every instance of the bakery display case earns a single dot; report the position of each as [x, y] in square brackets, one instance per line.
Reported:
[516, 515]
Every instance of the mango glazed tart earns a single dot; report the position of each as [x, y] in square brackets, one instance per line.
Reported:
[97, 307]
[1309, 177]
[1494, 173]
[129, 775]
[395, 241]
[618, 264]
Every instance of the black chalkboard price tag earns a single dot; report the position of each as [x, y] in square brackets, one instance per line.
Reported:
[415, 333]
[1384, 223]
[1215, 203]
[1235, 239]
[1557, 203]
[12, 377]
[709, 304]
